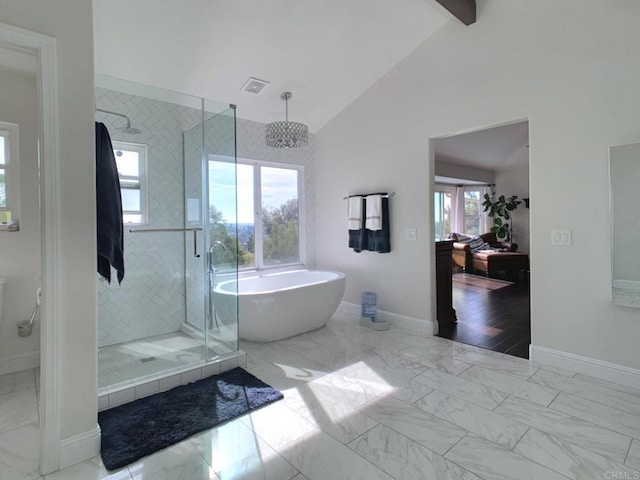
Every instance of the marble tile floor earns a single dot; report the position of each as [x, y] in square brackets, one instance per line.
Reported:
[361, 404]
[19, 432]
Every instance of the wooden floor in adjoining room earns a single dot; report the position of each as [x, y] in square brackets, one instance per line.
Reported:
[492, 314]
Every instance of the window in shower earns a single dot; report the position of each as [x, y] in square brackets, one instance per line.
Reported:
[269, 211]
[131, 159]
[9, 173]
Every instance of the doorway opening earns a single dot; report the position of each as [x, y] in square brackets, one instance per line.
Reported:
[21, 265]
[23, 48]
[490, 270]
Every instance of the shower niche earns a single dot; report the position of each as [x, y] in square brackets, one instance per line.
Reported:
[160, 322]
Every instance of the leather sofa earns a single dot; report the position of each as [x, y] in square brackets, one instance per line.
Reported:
[488, 262]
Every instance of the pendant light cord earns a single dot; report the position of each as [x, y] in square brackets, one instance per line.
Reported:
[286, 109]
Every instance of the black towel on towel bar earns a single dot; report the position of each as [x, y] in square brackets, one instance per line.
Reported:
[358, 238]
[108, 208]
[379, 240]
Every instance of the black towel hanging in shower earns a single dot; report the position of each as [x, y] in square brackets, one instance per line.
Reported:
[110, 227]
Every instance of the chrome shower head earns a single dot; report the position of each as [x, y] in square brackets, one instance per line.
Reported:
[129, 129]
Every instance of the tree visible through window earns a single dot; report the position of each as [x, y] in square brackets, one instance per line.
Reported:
[266, 212]
[280, 216]
[472, 211]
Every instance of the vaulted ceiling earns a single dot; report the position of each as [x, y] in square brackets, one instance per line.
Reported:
[326, 52]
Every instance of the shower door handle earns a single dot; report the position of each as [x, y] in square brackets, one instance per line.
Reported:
[195, 243]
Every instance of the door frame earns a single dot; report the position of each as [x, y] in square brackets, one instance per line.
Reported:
[45, 50]
[432, 168]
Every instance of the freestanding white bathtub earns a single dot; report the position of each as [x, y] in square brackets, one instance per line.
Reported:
[280, 305]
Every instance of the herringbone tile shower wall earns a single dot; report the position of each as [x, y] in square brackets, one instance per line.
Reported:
[150, 300]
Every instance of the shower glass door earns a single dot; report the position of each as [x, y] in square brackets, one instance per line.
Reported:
[211, 204]
[221, 231]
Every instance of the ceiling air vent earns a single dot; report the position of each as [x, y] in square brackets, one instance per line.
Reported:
[254, 85]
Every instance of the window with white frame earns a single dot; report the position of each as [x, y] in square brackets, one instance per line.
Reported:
[9, 174]
[442, 201]
[473, 211]
[267, 213]
[131, 159]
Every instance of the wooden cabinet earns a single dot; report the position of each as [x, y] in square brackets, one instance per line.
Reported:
[445, 312]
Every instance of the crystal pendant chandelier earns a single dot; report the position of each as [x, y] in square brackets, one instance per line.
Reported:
[286, 134]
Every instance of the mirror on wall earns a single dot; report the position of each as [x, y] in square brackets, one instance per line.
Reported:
[624, 174]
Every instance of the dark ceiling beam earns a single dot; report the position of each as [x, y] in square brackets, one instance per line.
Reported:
[463, 10]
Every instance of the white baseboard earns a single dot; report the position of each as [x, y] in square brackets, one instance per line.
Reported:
[626, 284]
[588, 366]
[423, 326]
[80, 447]
[18, 362]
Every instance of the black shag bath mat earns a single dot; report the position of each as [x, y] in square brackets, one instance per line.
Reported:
[142, 427]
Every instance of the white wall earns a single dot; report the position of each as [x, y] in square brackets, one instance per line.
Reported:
[20, 258]
[570, 68]
[70, 22]
[465, 172]
[515, 181]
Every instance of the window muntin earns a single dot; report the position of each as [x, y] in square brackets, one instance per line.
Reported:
[268, 214]
[131, 160]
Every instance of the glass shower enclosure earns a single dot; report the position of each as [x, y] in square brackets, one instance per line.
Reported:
[180, 235]
[214, 207]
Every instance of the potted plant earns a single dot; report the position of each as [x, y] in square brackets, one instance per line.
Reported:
[499, 210]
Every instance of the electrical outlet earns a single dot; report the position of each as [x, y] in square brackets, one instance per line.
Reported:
[561, 238]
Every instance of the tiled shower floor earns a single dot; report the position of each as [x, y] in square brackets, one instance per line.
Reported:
[125, 362]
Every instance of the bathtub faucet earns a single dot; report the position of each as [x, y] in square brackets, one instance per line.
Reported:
[213, 246]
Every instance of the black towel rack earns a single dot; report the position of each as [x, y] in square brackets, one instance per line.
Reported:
[384, 194]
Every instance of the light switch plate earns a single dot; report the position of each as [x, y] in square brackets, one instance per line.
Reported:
[561, 238]
[412, 234]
